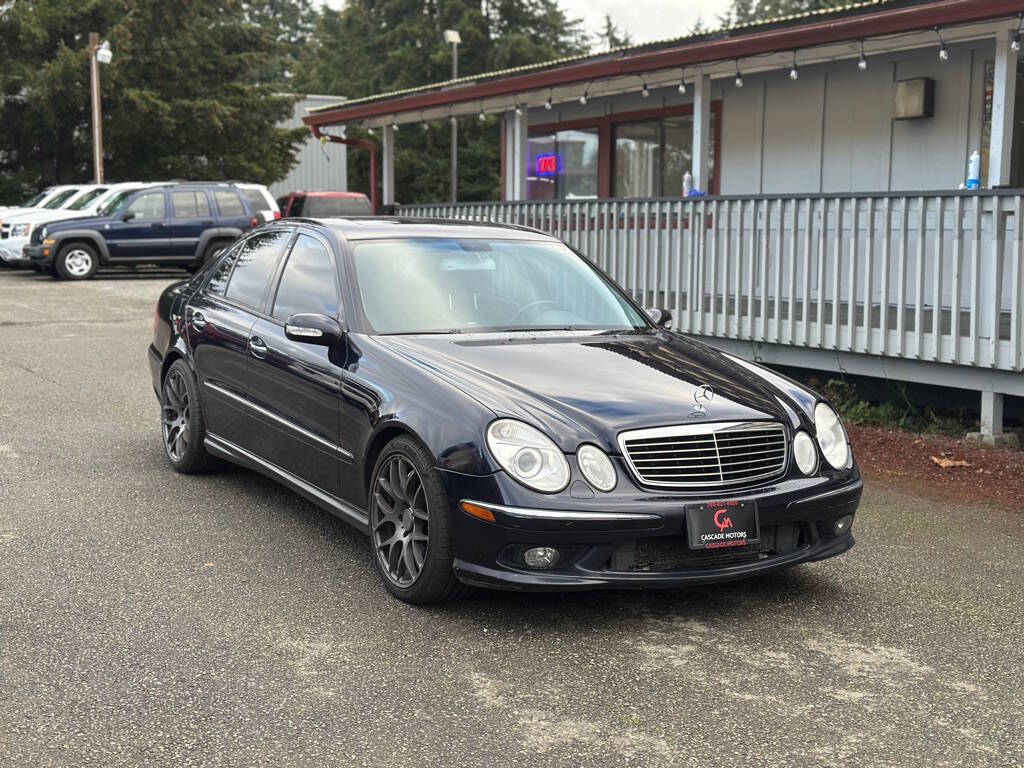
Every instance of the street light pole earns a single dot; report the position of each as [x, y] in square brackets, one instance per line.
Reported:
[452, 36]
[97, 127]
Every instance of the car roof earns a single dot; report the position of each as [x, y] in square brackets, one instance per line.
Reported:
[386, 227]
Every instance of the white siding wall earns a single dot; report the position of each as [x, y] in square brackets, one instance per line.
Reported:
[318, 167]
[832, 129]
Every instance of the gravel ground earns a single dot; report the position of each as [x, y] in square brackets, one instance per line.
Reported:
[149, 618]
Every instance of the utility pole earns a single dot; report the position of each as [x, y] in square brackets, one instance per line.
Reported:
[452, 36]
[97, 54]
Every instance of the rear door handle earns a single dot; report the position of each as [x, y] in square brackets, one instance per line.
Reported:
[257, 347]
[158, 224]
[198, 321]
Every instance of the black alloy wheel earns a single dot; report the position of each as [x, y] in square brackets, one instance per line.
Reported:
[409, 526]
[176, 416]
[181, 421]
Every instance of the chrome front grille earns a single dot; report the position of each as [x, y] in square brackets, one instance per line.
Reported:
[697, 455]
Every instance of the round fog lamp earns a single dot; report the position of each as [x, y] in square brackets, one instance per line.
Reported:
[842, 525]
[805, 453]
[541, 557]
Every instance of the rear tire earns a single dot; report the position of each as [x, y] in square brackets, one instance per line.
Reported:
[182, 425]
[210, 254]
[410, 536]
[77, 261]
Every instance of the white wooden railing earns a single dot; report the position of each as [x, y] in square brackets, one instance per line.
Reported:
[930, 277]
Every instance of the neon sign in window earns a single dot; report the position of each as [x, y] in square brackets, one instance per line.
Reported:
[549, 164]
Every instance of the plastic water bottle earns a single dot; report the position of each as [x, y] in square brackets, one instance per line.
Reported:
[687, 184]
[974, 171]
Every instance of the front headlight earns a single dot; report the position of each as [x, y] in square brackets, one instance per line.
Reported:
[528, 455]
[831, 436]
[805, 453]
[20, 230]
[596, 467]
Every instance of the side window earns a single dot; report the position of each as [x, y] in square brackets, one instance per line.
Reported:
[190, 205]
[256, 261]
[308, 283]
[219, 279]
[228, 203]
[149, 207]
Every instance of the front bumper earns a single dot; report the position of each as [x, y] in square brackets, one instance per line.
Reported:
[41, 255]
[639, 539]
[11, 251]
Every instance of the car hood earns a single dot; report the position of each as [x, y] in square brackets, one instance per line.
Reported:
[591, 387]
[44, 216]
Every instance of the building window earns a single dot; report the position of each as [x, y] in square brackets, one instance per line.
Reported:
[563, 165]
[652, 156]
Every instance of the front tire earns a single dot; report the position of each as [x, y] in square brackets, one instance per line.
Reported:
[181, 421]
[410, 527]
[77, 261]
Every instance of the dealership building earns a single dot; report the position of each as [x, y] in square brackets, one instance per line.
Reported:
[831, 160]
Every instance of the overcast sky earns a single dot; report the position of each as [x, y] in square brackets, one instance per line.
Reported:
[645, 20]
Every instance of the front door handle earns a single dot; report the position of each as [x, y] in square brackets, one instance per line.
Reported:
[257, 347]
[198, 321]
[158, 224]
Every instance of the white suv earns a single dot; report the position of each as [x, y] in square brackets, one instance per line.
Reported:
[262, 202]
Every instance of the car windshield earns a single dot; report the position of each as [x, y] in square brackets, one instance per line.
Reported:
[86, 199]
[437, 285]
[33, 201]
[115, 203]
[58, 200]
[336, 206]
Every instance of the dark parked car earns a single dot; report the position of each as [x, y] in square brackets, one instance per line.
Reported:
[168, 224]
[492, 410]
[323, 204]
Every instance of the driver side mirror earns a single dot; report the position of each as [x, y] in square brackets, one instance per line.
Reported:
[314, 329]
[660, 317]
[127, 215]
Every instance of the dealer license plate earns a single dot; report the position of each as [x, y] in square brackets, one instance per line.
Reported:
[722, 524]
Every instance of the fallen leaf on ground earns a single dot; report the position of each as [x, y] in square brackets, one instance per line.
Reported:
[947, 463]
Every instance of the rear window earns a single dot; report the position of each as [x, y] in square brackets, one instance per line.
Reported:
[336, 206]
[256, 200]
[228, 203]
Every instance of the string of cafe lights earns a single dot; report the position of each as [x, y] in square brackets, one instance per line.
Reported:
[682, 88]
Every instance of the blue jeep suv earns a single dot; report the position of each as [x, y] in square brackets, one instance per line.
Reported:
[183, 224]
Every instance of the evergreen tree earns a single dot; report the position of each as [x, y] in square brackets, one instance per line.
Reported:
[746, 11]
[193, 90]
[377, 46]
[611, 37]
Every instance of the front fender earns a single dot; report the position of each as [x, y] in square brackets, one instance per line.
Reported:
[91, 236]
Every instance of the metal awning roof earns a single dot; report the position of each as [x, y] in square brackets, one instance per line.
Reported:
[662, 62]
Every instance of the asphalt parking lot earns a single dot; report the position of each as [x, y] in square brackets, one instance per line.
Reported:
[150, 618]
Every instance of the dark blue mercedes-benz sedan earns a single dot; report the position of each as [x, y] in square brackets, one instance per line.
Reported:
[493, 411]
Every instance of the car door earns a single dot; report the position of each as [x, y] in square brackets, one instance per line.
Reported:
[190, 217]
[139, 231]
[218, 320]
[296, 387]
